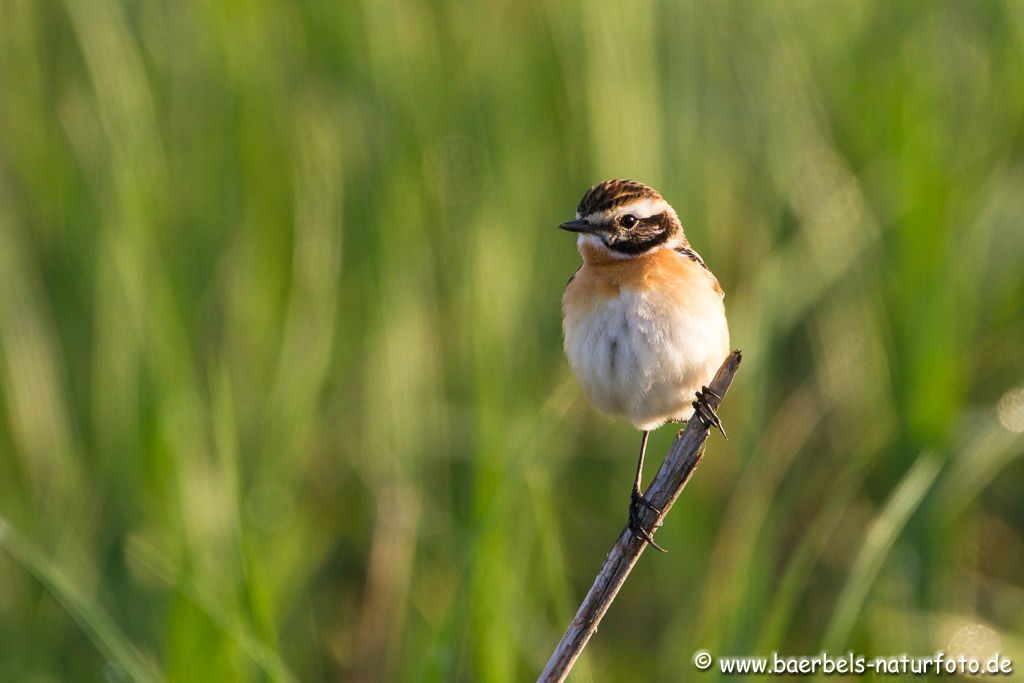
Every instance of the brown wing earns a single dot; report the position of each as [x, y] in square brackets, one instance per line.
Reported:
[572, 277]
[691, 254]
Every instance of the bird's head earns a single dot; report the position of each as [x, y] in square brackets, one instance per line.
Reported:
[624, 219]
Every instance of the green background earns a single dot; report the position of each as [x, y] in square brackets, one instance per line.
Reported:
[282, 393]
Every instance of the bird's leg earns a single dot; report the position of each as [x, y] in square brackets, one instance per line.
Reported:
[705, 413]
[636, 500]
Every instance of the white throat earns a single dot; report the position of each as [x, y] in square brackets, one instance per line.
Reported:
[595, 242]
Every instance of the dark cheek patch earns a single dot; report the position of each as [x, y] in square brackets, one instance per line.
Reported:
[648, 233]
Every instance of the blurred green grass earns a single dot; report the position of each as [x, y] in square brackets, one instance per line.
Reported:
[280, 371]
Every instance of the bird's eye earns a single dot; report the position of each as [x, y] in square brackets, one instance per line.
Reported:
[628, 221]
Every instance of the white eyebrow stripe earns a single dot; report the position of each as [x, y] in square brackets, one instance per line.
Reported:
[643, 208]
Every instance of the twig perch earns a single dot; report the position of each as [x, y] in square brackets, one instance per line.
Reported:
[684, 456]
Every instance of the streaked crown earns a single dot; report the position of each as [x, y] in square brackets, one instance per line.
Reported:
[612, 194]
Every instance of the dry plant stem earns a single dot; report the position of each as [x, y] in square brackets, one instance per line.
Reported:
[684, 456]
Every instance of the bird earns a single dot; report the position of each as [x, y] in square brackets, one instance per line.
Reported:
[643, 318]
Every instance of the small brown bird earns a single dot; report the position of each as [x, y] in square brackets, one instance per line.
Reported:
[643, 317]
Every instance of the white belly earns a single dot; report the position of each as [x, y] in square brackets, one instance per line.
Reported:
[642, 356]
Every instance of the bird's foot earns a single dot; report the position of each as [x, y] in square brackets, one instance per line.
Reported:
[636, 501]
[705, 413]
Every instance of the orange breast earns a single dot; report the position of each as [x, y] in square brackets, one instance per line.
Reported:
[663, 270]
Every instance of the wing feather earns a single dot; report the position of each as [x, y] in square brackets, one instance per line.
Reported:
[690, 253]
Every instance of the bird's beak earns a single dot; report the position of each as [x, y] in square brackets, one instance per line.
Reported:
[578, 225]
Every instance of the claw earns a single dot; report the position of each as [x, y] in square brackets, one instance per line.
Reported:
[706, 390]
[636, 500]
[705, 413]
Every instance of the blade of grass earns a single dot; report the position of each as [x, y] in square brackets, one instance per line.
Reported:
[262, 654]
[878, 541]
[95, 623]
